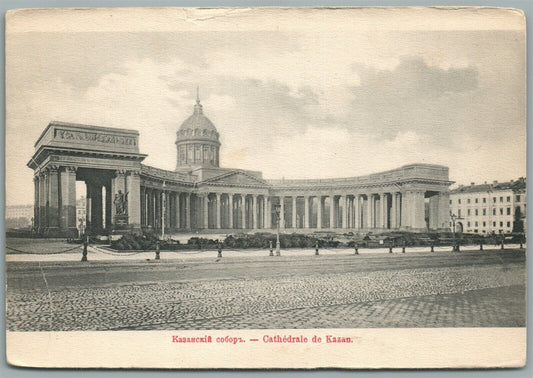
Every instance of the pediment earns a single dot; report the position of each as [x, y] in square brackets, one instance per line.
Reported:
[236, 178]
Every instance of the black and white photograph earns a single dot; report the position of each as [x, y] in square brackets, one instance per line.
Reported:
[317, 187]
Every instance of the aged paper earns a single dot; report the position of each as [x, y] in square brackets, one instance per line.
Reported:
[266, 187]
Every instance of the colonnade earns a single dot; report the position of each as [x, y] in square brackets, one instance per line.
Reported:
[55, 199]
[383, 210]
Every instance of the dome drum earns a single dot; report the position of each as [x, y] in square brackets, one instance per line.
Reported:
[197, 141]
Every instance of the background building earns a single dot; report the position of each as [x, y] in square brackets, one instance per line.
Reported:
[19, 216]
[490, 208]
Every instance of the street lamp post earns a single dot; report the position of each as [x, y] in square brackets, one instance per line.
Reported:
[455, 247]
[277, 209]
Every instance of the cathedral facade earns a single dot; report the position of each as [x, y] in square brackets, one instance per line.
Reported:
[125, 195]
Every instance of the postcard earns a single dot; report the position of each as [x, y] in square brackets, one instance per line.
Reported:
[250, 188]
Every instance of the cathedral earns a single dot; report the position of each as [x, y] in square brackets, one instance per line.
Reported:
[125, 195]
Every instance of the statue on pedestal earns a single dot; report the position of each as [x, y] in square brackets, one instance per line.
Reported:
[121, 203]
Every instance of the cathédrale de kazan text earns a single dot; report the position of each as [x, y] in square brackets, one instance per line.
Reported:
[268, 339]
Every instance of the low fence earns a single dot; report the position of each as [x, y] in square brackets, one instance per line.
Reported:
[101, 252]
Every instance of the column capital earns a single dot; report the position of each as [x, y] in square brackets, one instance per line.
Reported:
[120, 172]
[135, 172]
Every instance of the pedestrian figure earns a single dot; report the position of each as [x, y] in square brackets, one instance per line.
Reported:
[219, 248]
[157, 249]
[316, 249]
[356, 249]
[271, 250]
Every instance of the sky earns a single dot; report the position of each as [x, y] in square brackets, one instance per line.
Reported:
[327, 96]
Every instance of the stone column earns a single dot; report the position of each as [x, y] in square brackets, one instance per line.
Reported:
[153, 201]
[254, 212]
[382, 211]
[369, 210]
[53, 198]
[177, 210]
[243, 211]
[187, 224]
[68, 219]
[406, 205]
[268, 212]
[218, 223]
[332, 211]
[356, 217]
[163, 214]
[43, 199]
[36, 201]
[109, 204]
[393, 211]
[306, 211]
[319, 212]
[205, 200]
[294, 212]
[133, 187]
[344, 201]
[168, 209]
[261, 212]
[230, 205]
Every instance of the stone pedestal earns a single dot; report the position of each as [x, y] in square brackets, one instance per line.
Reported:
[121, 222]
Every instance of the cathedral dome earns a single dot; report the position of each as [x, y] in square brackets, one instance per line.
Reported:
[198, 126]
[197, 141]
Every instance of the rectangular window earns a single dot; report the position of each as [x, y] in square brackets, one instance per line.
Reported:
[501, 224]
[501, 199]
[484, 224]
[493, 224]
[508, 224]
[508, 198]
[468, 200]
[476, 224]
[468, 224]
[484, 200]
[518, 198]
[501, 210]
[459, 201]
[508, 211]
[451, 202]
[476, 200]
[493, 211]
[494, 199]
[468, 212]
[476, 213]
[484, 211]
[459, 213]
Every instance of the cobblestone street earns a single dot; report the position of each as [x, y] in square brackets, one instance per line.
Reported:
[469, 289]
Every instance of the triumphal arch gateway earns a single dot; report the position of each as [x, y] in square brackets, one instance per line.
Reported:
[124, 195]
